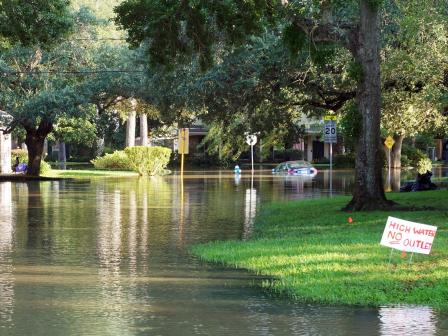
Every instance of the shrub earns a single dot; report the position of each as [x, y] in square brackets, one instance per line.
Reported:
[23, 158]
[294, 154]
[424, 165]
[143, 160]
[344, 160]
[413, 156]
[405, 162]
[21, 154]
[148, 160]
[118, 160]
[45, 167]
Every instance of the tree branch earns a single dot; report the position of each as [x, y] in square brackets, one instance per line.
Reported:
[343, 33]
[334, 104]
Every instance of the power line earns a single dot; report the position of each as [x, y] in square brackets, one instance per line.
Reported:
[86, 72]
[100, 39]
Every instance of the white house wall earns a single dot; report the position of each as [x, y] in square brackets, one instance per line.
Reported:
[5, 153]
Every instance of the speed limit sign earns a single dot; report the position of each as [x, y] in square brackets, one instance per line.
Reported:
[330, 134]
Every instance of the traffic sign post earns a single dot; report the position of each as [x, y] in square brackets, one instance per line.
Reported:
[330, 133]
[183, 143]
[389, 142]
[330, 137]
[251, 140]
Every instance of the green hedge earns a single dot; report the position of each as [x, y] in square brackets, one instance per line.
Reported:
[344, 160]
[118, 160]
[141, 159]
[413, 157]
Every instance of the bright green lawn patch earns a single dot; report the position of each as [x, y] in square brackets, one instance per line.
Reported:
[315, 255]
[90, 173]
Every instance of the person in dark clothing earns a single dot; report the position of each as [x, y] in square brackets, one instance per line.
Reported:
[16, 164]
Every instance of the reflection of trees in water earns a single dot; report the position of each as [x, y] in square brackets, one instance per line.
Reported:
[112, 291]
[213, 208]
[6, 246]
[125, 212]
[36, 233]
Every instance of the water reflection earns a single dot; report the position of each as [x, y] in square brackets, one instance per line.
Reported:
[6, 247]
[111, 257]
[407, 320]
[250, 209]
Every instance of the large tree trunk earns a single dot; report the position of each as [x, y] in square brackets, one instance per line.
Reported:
[368, 193]
[62, 156]
[395, 154]
[100, 146]
[62, 153]
[100, 140]
[143, 130]
[34, 141]
[130, 126]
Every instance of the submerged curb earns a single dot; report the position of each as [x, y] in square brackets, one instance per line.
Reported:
[25, 178]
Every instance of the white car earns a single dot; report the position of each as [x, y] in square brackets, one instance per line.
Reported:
[295, 168]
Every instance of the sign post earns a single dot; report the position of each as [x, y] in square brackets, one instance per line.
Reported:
[330, 137]
[408, 236]
[184, 137]
[251, 140]
[389, 142]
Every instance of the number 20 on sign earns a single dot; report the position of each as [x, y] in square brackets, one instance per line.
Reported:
[330, 135]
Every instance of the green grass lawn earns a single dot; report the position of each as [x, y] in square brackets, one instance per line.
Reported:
[90, 173]
[313, 254]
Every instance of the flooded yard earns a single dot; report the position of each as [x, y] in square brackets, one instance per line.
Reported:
[110, 257]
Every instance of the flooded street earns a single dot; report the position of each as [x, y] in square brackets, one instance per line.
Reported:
[110, 257]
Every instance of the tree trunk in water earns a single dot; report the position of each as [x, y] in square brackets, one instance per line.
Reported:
[395, 154]
[143, 130]
[35, 145]
[439, 149]
[62, 154]
[45, 152]
[368, 193]
[100, 145]
[100, 140]
[130, 126]
[34, 141]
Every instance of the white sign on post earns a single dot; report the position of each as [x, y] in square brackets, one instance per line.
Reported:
[330, 134]
[408, 236]
[251, 139]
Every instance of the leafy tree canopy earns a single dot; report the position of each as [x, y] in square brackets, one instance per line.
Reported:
[34, 22]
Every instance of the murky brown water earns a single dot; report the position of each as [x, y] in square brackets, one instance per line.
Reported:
[109, 257]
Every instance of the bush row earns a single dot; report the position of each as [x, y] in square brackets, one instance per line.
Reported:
[143, 160]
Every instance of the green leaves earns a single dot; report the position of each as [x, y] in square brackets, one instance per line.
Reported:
[35, 22]
[174, 31]
[413, 66]
[294, 38]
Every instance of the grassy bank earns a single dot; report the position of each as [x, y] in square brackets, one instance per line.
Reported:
[315, 255]
[88, 173]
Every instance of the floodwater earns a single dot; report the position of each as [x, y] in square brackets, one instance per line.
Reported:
[110, 257]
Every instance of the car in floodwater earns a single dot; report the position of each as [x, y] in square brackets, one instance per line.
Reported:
[296, 168]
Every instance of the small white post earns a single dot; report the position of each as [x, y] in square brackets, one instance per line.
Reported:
[252, 157]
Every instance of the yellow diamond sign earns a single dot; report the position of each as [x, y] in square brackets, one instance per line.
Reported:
[389, 142]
